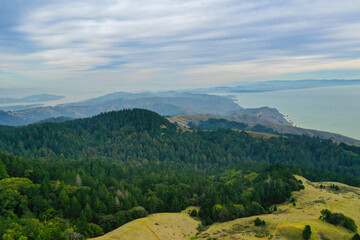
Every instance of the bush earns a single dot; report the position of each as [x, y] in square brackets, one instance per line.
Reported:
[94, 230]
[338, 219]
[306, 234]
[356, 237]
[194, 213]
[138, 212]
[259, 222]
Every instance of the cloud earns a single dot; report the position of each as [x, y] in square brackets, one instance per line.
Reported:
[274, 66]
[180, 43]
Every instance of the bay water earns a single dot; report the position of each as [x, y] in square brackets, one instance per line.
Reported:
[332, 109]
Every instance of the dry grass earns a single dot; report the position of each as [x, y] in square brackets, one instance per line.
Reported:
[287, 223]
[155, 227]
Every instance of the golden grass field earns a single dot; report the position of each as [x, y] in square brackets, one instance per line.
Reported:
[156, 226]
[286, 223]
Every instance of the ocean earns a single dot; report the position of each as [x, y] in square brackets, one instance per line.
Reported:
[332, 109]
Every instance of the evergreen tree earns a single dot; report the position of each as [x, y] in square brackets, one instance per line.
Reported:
[306, 234]
[3, 173]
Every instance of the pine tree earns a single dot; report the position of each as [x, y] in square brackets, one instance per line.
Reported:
[87, 212]
[3, 173]
[75, 207]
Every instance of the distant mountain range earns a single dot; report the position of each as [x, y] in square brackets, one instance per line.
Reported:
[20, 107]
[31, 99]
[269, 86]
[165, 103]
[187, 109]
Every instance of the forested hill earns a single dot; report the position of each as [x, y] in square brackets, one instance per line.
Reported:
[89, 176]
[93, 136]
[136, 135]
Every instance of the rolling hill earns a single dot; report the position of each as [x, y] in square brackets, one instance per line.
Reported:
[286, 223]
[157, 226]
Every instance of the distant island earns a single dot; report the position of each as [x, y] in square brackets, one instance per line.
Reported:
[31, 99]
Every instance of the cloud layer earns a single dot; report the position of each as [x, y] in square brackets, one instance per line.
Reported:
[170, 44]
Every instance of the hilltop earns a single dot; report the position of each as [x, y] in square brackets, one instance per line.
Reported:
[175, 226]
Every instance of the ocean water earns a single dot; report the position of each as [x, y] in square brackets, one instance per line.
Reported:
[332, 109]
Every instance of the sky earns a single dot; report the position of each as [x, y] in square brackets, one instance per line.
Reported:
[133, 45]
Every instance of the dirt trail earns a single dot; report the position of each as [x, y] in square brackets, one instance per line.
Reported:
[150, 230]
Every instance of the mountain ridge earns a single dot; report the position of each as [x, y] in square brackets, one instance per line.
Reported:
[32, 98]
[193, 121]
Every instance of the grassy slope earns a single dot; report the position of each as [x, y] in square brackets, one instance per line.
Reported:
[174, 226]
[287, 223]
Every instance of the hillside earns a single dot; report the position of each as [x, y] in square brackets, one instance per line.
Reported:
[288, 221]
[238, 121]
[154, 137]
[104, 136]
[175, 226]
[285, 223]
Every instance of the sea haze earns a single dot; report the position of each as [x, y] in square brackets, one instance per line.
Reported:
[333, 109]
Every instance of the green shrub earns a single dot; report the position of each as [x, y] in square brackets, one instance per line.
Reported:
[259, 222]
[338, 219]
[194, 213]
[306, 234]
[356, 237]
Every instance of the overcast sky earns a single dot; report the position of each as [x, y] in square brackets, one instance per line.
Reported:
[112, 45]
